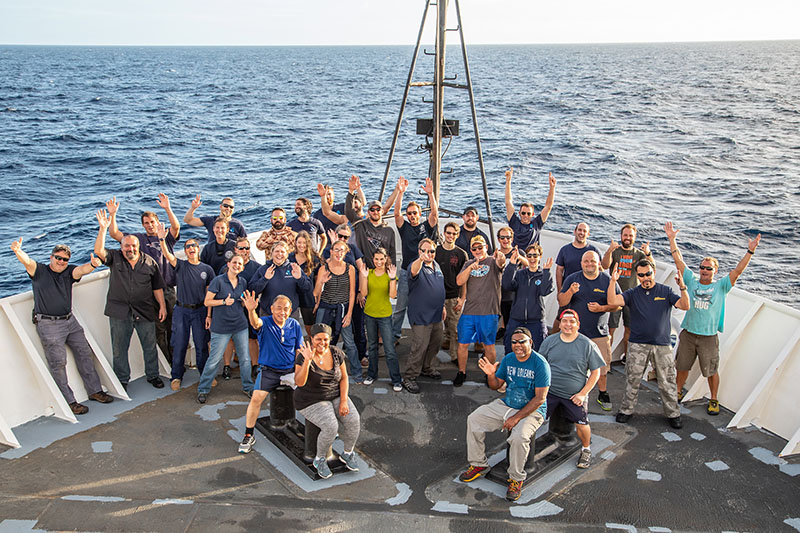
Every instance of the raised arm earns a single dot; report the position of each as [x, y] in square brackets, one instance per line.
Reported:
[100, 241]
[743, 262]
[509, 197]
[611, 294]
[250, 303]
[354, 186]
[162, 236]
[27, 262]
[79, 272]
[387, 205]
[189, 217]
[174, 223]
[402, 185]
[677, 257]
[565, 297]
[463, 276]
[112, 206]
[433, 216]
[551, 196]
[684, 302]
[327, 210]
[301, 371]
[606, 261]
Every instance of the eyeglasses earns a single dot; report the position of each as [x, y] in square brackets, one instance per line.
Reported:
[228, 206]
[477, 247]
[375, 208]
[504, 237]
[532, 255]
[240, 247]
[427, 251]
[338, 250]
[60, 258]
[645, 274]
[192, 245]
[523, 341]
[706, 268]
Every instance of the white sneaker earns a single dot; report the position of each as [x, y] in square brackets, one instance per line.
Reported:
[368, 381]
[397, 387]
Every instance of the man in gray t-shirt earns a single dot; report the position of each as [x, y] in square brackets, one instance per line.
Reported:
[571, 356]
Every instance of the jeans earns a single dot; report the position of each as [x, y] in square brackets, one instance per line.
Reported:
[164, 329]
[384, 327]
[184, 322]
[121, 331]
[332, 315]
[402, 303]
[55, 335]
[359, 333]
[218, 343]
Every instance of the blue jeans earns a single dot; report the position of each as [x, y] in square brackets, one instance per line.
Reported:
[333, 315]
[218, 343]
[384, 326]
[184, 322]
[121, 332]
[402, 302]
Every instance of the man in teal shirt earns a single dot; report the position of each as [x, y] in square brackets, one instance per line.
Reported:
[706, 315]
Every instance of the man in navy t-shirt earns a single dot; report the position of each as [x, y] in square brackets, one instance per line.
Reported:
[651, 305]
[521, 412]
[527, 227]
[226, 207]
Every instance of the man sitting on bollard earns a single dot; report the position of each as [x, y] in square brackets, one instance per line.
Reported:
[571, 357]
[280, 338]
[521, 412]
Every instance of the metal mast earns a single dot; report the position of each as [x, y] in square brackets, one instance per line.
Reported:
[438, 130]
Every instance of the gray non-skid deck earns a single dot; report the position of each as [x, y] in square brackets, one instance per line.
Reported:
[171, 464]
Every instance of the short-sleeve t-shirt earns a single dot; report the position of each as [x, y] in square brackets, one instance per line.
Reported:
[217, 255]
[706, 314]
[277, 346]
[312, 226]
[228, 318]
[525, 234]
[593, 325]
[426, 296]
[569, 257]
[650, 312]
[569, 363]
[52, 291]
[321, 385]
[150, 245]
[378, 304]
[235, 228]
[451, 262]
[522, 379]
[410, 237]
[625, 260]
[193, 281]
[326, 222]
[466, 236]
[483, 288]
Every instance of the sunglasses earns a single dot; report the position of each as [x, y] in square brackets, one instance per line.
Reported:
[60, 258]
[240, 247]
[532, 255]
[229, 206]
[706, 268]
[526, 213]
[504, 237]
[342, 236]
[523, 341]
[426, 251]
[645, 274]
[278, 218]
[376, 208]
[192, 245]
[477, 247]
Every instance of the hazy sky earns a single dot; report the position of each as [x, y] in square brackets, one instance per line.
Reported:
[273, 22]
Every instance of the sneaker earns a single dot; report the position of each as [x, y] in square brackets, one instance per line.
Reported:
[514, 490]
[349, 460]
[461, 377]
[78, 408]
[368, 381]
[323, 470]
[681, 394]
[156, 382]
[675, 422]
[622, 418]
[411, 386]
[175, 384]
[248, 393]
[473, 472]
[202, 397]
[397, 387]
[226, 372]
[432, 374]
[713, 407]
[604, 400]
[101, 397]
[247, 444]
[585, 459]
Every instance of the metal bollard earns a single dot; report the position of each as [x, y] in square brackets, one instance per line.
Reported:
[281, 407]
[562, 429]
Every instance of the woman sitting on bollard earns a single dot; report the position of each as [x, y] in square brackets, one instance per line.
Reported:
[321, 396]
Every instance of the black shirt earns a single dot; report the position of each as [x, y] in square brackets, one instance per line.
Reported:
[130, 290]
[451, 262]
[410, 237]
[321, 385]
[52, 291]
[217, 255]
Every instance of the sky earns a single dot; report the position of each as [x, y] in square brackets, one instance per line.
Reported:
[376, 22]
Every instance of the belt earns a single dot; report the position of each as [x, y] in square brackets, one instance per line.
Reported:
[39, 316]
[190, 306]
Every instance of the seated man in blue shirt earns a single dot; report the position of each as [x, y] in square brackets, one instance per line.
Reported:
[280, 338]
[526, 375]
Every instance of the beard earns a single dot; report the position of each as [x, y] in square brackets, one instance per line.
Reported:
[278, 225]
[299, 211]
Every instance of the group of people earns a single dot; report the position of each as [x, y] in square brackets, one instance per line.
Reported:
[337, 270]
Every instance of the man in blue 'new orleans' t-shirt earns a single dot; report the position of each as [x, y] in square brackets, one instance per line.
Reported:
[526, 375]
[651, 304]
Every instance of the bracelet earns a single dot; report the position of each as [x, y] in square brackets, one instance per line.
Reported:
[673, 251]
[751, 252]
[648, 255]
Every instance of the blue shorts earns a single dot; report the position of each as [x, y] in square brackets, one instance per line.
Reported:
[269, 378]
[573, 413]
[477, 328]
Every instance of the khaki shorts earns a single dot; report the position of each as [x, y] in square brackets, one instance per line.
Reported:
[705, 348]
[604, 345]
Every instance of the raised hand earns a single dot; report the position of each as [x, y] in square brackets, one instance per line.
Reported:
[250, 301]
[614, 245]
[332, 237]
[163, 201]
[575, 287]
[307, 352]
[509, 174]
[95, 261]
[514, 259]
[324, 275]
[615, 273]
[646, 248]
[392, 271]
[112, 205]
[488, 368]
[353, 184]
[552, 180]
[363, 270]
[751, 245]
[103, 219]
[161, 230]
[322, 192]
[428, 188]
[196, 202]
[270, 272]
[402, 184]
[16, 246]
[670, 230]
[547, 264]
[296, 272]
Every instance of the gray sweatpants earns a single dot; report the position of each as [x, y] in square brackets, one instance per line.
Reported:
[636, 366]
[490, 417]
[325, 415]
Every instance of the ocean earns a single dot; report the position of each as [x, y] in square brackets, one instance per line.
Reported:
[704, 134]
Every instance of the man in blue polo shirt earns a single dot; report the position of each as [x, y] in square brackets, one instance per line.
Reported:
[279, 340]
[527, 227]
[706, 315]
[651, 305]
[521, 412]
